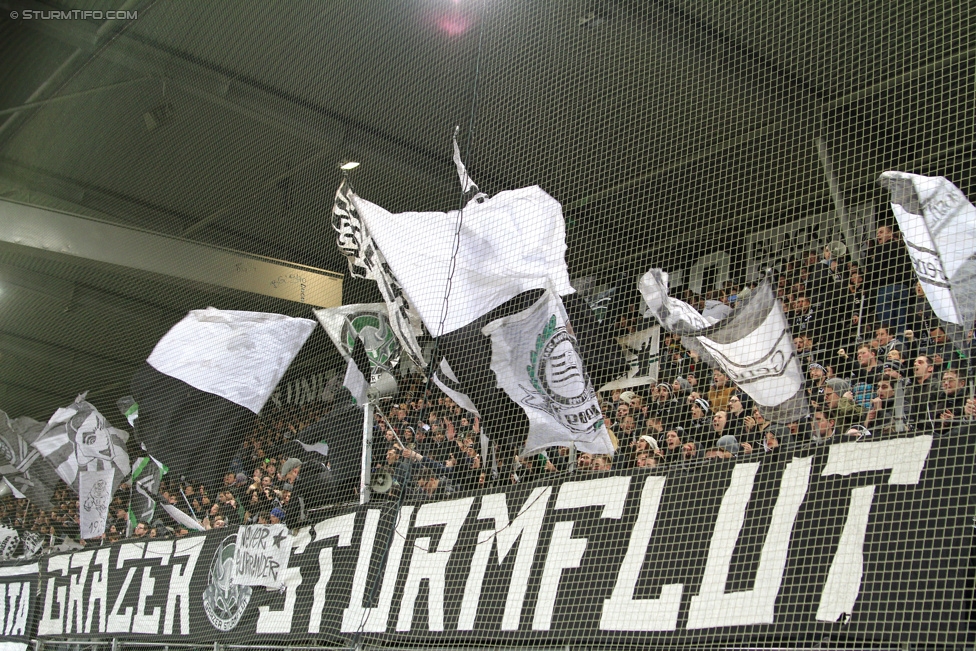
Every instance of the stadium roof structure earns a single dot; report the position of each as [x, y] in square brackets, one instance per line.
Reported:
[187, 129]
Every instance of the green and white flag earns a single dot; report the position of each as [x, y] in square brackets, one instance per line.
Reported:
[536, 361]
[358, 330]
[368, 323]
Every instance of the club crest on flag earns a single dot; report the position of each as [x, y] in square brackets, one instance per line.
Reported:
[553, 388]
[561, 388]
[223, 600]
[373, 329]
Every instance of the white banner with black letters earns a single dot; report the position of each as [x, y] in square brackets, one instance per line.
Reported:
[261, 555]
[753, 346]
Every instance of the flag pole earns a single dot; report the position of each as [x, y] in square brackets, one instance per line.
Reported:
[367, 458]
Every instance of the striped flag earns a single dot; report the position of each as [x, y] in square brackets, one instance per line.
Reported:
[18, 461]
[206, 379]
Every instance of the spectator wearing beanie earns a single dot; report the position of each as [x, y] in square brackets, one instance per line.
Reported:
[700, 428]
[277, 516]
[839, 404]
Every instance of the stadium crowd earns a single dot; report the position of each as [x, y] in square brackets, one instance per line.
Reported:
[876, 360]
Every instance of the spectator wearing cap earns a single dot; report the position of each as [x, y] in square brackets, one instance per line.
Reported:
[701, 424]
[725, 448]
[664, 403]
[720, 391]
[816, 376]
[288, 473]
[277, 516]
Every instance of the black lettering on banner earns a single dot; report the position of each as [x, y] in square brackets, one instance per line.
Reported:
[852, 540]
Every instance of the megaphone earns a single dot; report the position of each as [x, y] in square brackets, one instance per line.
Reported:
[385, 386]
[381, 482]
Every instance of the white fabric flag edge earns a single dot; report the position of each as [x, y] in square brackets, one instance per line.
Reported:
[269, 342]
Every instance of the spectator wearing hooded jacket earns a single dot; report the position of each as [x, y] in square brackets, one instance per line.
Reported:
[840, 406]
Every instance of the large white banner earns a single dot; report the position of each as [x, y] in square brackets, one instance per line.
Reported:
[508, 244]
[536, 361]
[240, 356]
[938, 225]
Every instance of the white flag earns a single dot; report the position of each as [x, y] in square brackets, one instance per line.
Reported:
[240, 356]
[753, 346]
[938, 224]
[447, 382]
[511, 243]
[94, 498]
[536, 361]
[356, 382]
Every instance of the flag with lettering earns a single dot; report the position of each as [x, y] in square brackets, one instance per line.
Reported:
[938, 225]
[366, 261]
[753, 346]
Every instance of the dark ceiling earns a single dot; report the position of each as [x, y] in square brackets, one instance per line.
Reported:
[659, 125]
